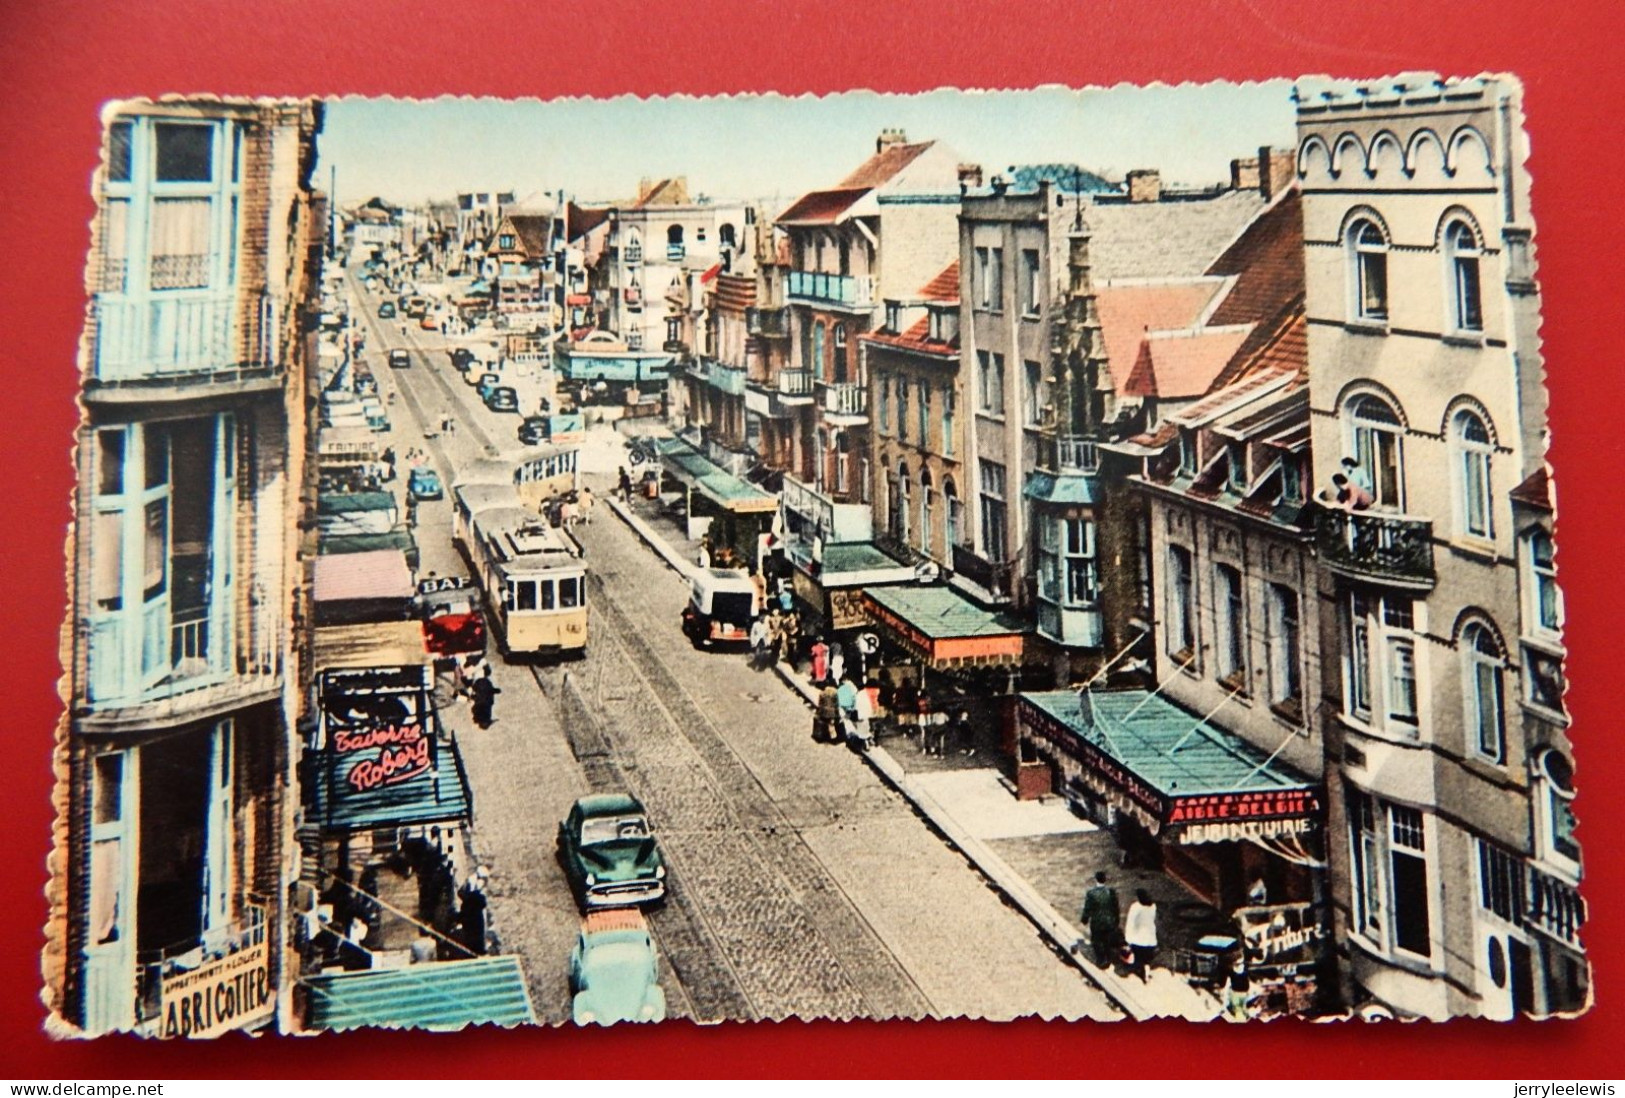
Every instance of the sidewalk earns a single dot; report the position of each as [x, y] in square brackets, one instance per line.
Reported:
[1036, 854]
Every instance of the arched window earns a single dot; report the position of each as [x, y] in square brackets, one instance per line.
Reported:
[1540, 580]
[674, 235]
[902, 409]
[1481, 670]
[1461, 258]
[842, 373]
[1368, 274]
[955, 516]
[725, 236]
[900, 516]
[1473, 450]
[1374, 441]
[926, 503]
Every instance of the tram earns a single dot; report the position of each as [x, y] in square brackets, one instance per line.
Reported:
[539, 474]
[532, 575]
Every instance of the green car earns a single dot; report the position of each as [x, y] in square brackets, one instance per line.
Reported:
[613, 976]
[609, 854]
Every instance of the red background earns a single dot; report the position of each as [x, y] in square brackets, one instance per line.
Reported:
[65, 58]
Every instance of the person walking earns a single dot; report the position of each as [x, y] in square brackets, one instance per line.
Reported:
[1101, 915]
[837, 661]
[587, 502]
[820, 661]
[863, 712]
[1140, 932]
[624, 485]
[827, 715]
[759, 631]
[485, 692]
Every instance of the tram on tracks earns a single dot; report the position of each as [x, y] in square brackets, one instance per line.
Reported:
[532, 575]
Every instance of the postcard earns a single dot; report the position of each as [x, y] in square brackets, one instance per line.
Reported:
[1070, 553]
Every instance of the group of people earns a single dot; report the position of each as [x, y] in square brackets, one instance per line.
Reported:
[1131, 939]
[775, 634]
[1351, 488]
[570, 508]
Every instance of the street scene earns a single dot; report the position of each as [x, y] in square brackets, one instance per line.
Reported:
[878, 584]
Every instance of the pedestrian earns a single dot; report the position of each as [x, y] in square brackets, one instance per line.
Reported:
[587, 503]
[827, 715]
[1140, 932]
[820, 661]
[846, 694]
[567, 513]
[792, 640]
[863, 712]
[485, 692]
[1101, 916]
[471, 913]
[963, 733]
[625, 486]
[837, 661]
[786, 599]
[906, 704]
[703, 557]
[759, 630]
[934, 728]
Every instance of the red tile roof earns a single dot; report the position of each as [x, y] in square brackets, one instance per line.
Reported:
[377, 574]
[666, 192]
[821, 207]
[1127, 312]
[1179, 365]
[942, 290]
[581, 220]
[1266, 260]
[944, 287]
[880, 168]
[1536, 490]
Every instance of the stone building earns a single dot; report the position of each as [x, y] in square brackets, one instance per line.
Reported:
[172, 856]
[1453, 863]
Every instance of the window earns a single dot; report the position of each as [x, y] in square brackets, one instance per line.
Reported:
[1545, 609]
[1283, 639]
[1368, 249]
[1049, 559]
[924, 415]
[983, 284]
[1374, 438]
[524, 594]
[994, 521]
[1473, 450]
[1382, 655]
[569, 593]
[1389, 854]
[926, 503]
[885, 403]
[1029, 282]
[505, 240]
[955, 515]
[1554, 806]
[1236, 467]
[1461, 257]
[1034, 395]
[1181, 606]
[1482, 691]
[900, 527]
[1230, 619]
[1078, 545]
[179, 243]
[817, 363]
[990, 378]
[1187, 453]
[894, 317]
[843, 371]
[995, 279]
[902, 409]
[185, 153]
[1291, 480]
[948, 401]
[120, 136]
[699, 235]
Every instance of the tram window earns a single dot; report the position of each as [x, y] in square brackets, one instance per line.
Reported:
[524, 594]
[547, 593]
[570, 592]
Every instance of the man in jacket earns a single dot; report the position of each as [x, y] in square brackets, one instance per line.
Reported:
[1101, 915]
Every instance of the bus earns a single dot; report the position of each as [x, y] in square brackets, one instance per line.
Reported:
[532, 576]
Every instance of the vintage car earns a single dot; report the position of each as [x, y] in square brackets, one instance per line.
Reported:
[400, 359]
[609, 854]
[386, 310]
[722, 603]
[452, 622]
[424, 483]
[614, 975]
[502, 398]
[533, 431]
[462, 358]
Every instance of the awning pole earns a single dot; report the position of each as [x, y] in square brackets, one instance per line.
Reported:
[431, 931]
[1209, 715]
[1289, 737]
[1147, 699]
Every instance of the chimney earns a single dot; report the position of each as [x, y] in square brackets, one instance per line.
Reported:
[1145, 185]
[890, 138]
[643, 188]
[1277, 169]
[1244, 174]
[970, 175]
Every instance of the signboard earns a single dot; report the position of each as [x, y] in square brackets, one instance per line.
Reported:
[847, 608]
[1092, 759]
[230, 993]
[376, 721]
[436, 584]
[1270, 804]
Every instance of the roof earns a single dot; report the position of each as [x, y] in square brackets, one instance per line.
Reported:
[711, 480]
[1535, 491]
[1168, 748]
[1064, 488]
[822, 207]
[581, 220]
[1128, 312]
[884, 165]
[339, 502]
[672, 191]
[1176, 237]
[941, 290]
[532, 231]
[735, 292]
[1067, 178]
[390, 643]
[441, 995]
[595, 804]
[378, 574]
[855, 556]
[1181, 365]
[435, 795]
[941, 612]
[1266, 259]
[613, 919]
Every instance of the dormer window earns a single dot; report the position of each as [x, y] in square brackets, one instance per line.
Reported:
[1291, 481]
[894, 316]
[1187, 453]
[935, 326]
[1237, 459]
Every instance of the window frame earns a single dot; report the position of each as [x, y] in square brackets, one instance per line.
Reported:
[1230, 626]
[1483, 667]
[1181, 636]
[1474, 461]
[1367, 244]
[1283, 644]
[1464, 274]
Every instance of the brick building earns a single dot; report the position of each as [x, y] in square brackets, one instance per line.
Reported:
[174, 762]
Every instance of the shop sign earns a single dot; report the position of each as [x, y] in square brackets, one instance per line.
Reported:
[1230, 831]
[378, 719]
[1272, 804]
[227, 994]
[442, 583]
[1066, 739]
[909, 636]
[847, 608]
[1274, 932]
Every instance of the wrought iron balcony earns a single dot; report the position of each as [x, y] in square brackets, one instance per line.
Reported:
[1068, 454]
[832, 289]
[997, 578]
[845, 398]
[180, 340]
[727, 379]
[1377, 546]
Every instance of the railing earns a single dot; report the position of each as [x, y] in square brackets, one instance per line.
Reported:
[727, 379]
[845, 398]
[634, 254]
[832, 288]
[1374, 545]
[675, 252]
[771, 323]
[1075, 454]
[1556, 908]
[153, 967]
[996, 578]
[675, 346]
[170, 335]
[795, 383]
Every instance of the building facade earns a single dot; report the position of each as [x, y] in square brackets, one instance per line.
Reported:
[1453, 863]
[171, 862]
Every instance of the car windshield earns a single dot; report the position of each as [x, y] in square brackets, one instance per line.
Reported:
[608, 829]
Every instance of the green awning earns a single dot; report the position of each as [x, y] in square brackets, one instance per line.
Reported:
[341, 503]
[1066, 488]
[857, 556]
[441, 995]
[718, 485]
[942, 613]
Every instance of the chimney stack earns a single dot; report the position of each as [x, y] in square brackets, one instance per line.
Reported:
[1277, 169]
[970, 175]
[889, 138]
[1244, 174]
[1145, 185]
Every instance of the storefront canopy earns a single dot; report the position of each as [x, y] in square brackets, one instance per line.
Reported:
[441, 995]
[1066, 488]
[686, 464]
[1175, 772]
[941, 626]
[339, 803]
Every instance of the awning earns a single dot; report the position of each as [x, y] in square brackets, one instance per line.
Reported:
[578, 366]
[1076, 488]
[441, 995]
[721, 487]
[944, 628]
[368, 645]
[373, 574]
[1175, 773]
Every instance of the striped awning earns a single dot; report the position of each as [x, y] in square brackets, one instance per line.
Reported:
[442, 995]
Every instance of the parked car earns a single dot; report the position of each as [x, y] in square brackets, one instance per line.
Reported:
[462, 358]
[722, 603]
[533, 431]
[424, 483]
[400, 359]
[452, 622]
[486, 383]
[430, 322]
[502, 398]
[386, 310]
[614, 976]
[609, 854]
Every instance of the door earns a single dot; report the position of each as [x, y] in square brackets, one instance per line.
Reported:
[109, 954]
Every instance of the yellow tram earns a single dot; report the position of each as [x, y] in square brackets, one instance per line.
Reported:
[533, 576]
[538, 474]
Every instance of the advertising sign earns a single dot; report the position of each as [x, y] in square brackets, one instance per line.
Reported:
[377, 725]
[230, 993]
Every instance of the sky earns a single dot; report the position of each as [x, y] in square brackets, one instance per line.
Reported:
[764, 147]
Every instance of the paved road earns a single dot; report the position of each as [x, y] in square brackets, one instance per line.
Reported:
[801, 885]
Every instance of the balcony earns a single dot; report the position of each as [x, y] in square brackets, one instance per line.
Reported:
[1396, 550]
[177, 340]
[727, 379]
[846, 401]
[996, 578]
[675, 252]
[162, 973]
[847, 291]
[768, 323]
[795, 383]
[1068, 454]
[675, 347]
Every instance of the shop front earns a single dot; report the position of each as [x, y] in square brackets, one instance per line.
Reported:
[729, 510]
[1241, 832]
